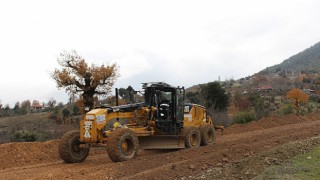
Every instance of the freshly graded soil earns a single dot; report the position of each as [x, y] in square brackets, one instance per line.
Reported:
[231, 153]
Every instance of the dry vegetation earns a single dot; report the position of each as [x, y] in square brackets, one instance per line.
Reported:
[38, 124]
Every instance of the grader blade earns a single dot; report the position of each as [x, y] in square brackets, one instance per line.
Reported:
[161, 142]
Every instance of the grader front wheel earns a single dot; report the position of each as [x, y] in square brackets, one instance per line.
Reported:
[122, 145]
[70, 148]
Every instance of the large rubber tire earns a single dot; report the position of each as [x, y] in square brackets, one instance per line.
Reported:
[70, 148]
[191, 137]
[208, 135]
[122, 145]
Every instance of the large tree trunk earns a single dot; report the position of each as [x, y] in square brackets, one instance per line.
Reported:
[88, 100]
[88, 93]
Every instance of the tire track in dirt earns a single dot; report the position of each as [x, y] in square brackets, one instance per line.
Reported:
[171, 164]
[231, 149]
[252, 167]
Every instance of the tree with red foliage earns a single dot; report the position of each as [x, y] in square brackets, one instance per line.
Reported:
[298, 97]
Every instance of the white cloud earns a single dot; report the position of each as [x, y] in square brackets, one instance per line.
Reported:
[132, 64]
[181, 42]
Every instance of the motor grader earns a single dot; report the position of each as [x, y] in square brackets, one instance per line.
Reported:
[162, 121]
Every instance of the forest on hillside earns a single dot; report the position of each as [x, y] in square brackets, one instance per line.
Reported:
[307, 61]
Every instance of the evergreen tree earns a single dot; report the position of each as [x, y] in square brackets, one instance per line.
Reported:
[214, 96]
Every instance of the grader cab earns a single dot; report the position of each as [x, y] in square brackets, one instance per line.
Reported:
[162, 121]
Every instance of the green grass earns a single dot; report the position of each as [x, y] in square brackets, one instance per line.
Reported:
[305, 166]
[244, 117]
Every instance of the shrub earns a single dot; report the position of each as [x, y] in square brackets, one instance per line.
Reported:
[311, 107]
[65, 112]
[221, 118]
[287, 109]
[24, 137]
[42, 136]
[28, 137]
[76, 110]
[303, 111]
[244, 117]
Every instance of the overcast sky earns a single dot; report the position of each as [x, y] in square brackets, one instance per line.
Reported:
[180, 42]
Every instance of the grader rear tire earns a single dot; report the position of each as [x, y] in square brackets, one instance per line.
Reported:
[122, 145]
[70, 148]
[208, 135]
[192, 137]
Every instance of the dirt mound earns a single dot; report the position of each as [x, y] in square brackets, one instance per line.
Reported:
[270, 122]
[313, 117]
[241, 128]
[28, 153]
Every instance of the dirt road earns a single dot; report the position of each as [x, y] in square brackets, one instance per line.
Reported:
[41, 161]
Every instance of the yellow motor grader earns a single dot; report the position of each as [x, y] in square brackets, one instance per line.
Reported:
[162, 121]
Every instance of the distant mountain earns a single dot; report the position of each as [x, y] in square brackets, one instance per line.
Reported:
[306, 61]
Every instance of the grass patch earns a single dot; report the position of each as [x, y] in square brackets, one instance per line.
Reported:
[244, 117]
[305, 166]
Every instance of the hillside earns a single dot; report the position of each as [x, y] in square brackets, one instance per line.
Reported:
[303, 66]
[307, 60]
